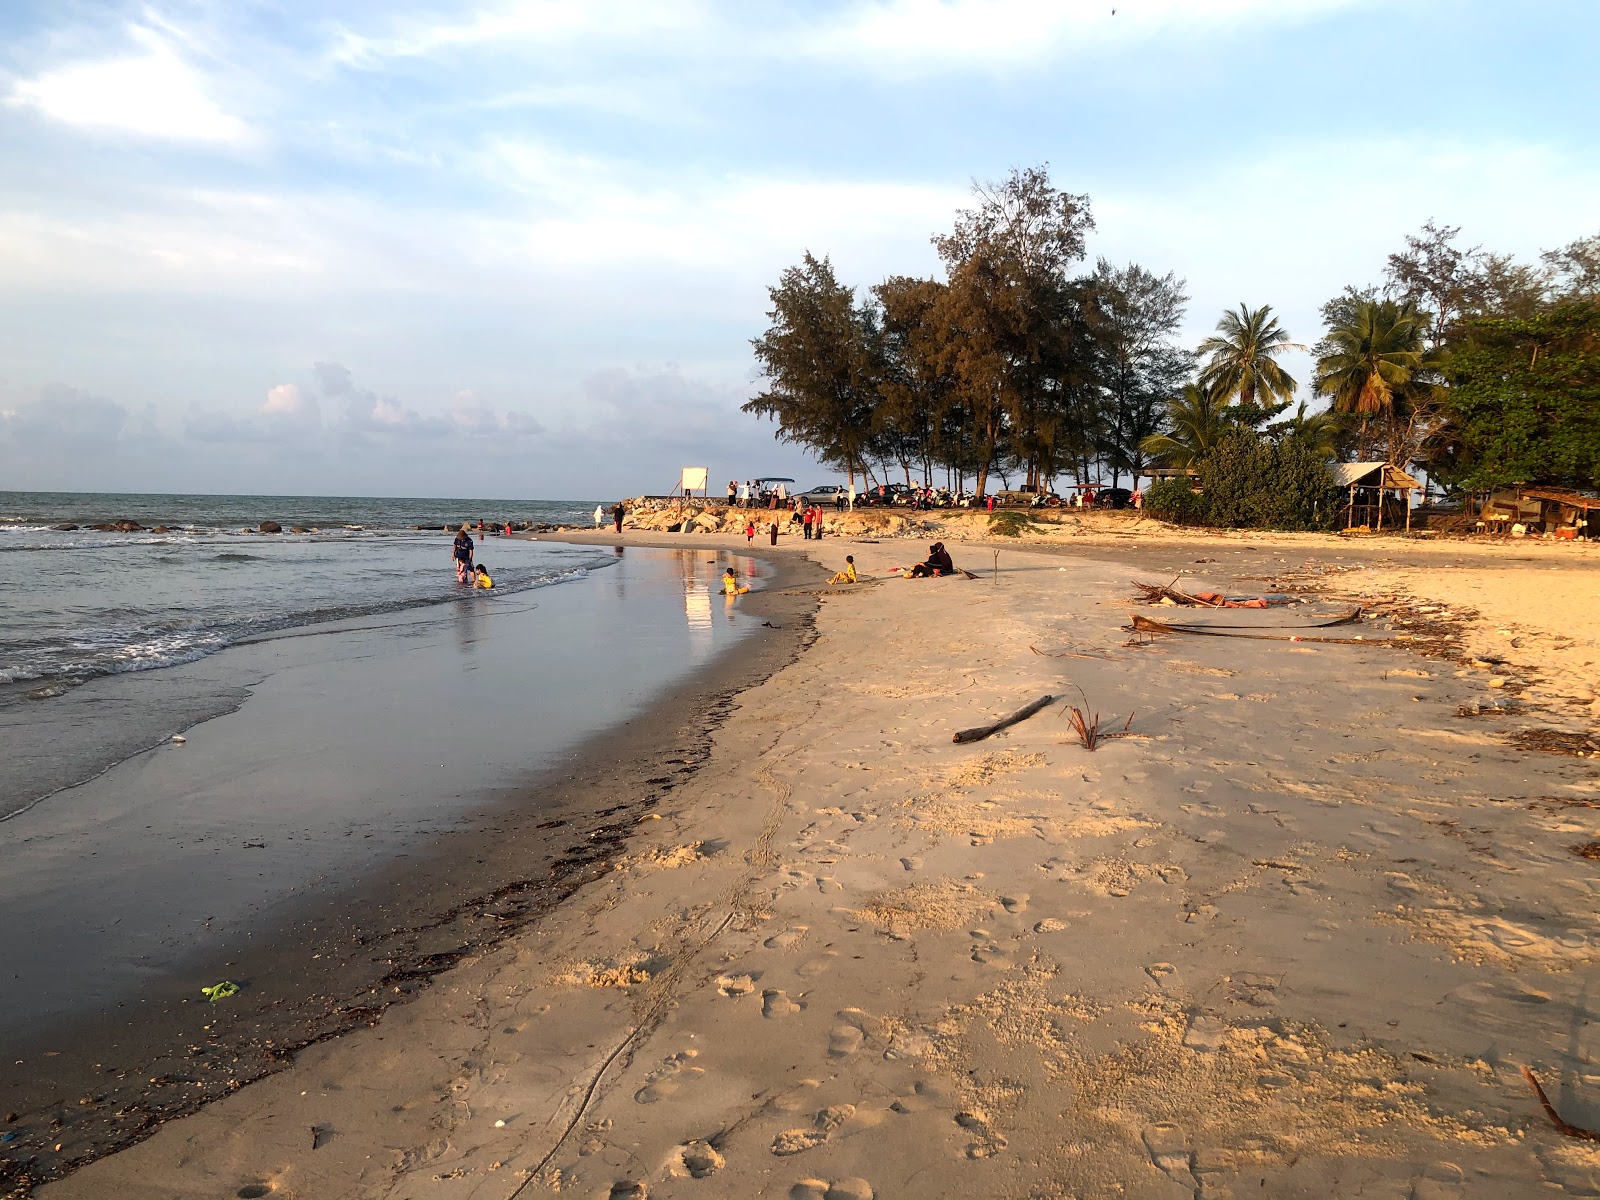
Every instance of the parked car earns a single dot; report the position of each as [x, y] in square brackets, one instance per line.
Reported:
[828, 493]
[1112, 497]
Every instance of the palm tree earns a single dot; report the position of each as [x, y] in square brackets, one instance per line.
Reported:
[1371, 357]
[1318, 430]
[1241, 359]
[1198, 421]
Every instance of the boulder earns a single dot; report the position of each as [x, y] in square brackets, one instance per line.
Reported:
[64, 526]
[127, 526]
[104, 527]
[271, 527]
[298, 529]
[161, 529]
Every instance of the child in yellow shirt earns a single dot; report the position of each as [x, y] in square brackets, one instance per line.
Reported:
[848, 575]
[482, 579]
[730, 584]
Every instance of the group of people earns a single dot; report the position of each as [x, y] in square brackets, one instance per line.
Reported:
[750, 494]
[617, 513]
[467, 572]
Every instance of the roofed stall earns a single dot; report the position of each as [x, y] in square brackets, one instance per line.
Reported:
[1370, 486]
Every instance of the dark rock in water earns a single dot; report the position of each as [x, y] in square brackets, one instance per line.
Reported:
[104, 527]
[544, 527]
[65, 526]
[161, 529]
[127, 526]
[271, 527]
[298, 529]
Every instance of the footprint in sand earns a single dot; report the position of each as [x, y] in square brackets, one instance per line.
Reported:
[1049, 925]
[698, 1160]
[629, 1189]
[782, 941]
[776, 1003]
[793, 1141]
[1204, 1033]
[851, 1188]
[813, 967]
[1164, 973]
[844, 1040]
[911, 864]
[735, 985]
[1169, 1149]
[674, 1070]
[1014, 904]
[986, 1141]
[1441, 1181]
[827, 883]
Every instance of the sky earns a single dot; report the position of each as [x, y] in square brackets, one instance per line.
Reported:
[518, 248]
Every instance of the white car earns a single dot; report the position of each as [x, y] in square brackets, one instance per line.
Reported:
[828, 493]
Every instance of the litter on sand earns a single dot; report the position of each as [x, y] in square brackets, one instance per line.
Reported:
[220, 991]
[1165, 593]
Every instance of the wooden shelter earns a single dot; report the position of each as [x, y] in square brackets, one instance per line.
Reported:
[1370, 486]
[1556, 511]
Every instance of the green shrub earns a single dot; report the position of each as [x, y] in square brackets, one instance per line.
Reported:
[1256, 483]
[1176, 500]
[1009, 524]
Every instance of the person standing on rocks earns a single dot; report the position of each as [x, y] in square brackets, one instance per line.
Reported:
[617, 514]
[733, 490]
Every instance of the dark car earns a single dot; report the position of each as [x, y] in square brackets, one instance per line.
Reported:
[1112, 498]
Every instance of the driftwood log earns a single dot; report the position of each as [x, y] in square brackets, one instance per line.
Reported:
[983, 731]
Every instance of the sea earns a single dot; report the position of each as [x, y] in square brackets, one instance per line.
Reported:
[79, 603]
[203, 726]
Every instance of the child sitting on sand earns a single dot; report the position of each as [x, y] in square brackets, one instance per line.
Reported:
[848, 575]
[482, 579]
[730, 584]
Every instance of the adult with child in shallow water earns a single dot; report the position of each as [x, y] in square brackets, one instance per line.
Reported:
[937, 563]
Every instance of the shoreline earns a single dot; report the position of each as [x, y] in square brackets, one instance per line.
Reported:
[338, 960]
[857, 944]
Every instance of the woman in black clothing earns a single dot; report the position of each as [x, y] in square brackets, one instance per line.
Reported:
[938, 563]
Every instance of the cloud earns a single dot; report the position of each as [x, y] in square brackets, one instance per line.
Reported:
[289, 402]
[536, 24]
[896, 34]
[154, 94]
[62, 416]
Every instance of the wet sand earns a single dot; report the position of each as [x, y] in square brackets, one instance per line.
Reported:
[311, 847]
[1296, 935]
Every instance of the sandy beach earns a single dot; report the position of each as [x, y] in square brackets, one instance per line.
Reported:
[1296, 934]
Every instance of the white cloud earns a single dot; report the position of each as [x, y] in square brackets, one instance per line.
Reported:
[287, 400]
[537, 24]
[152, 94]
[903, 33]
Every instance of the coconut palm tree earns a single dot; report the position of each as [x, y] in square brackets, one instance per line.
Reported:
[1198, 420]
[1241, 358]
[1373, 357]
[1320, 431]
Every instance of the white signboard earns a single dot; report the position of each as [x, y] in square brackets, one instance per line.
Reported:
[694, 478]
